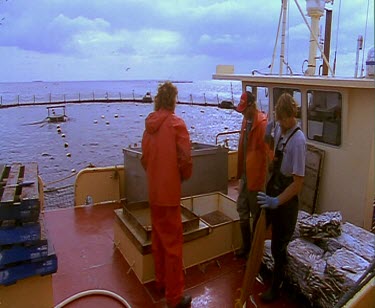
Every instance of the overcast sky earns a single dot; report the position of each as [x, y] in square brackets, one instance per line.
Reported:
[55, 40]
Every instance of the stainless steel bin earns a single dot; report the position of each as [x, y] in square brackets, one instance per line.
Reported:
[210, 172]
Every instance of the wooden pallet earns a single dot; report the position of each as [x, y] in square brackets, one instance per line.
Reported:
[19, 247]
[19, 192]
[41, 266]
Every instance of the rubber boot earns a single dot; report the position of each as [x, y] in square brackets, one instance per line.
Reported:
[274, 291]
[243, 252]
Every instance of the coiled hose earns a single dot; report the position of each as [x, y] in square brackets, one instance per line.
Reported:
[93, 292]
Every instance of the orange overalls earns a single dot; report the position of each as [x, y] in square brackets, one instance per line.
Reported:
[166, 157]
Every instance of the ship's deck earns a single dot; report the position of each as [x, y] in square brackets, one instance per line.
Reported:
[83, 239]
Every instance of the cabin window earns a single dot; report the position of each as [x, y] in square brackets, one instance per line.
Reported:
[262, 97]
[296, 95]
[324, 116]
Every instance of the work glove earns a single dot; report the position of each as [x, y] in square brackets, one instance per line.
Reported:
[269, 128]
[269, 133]
[267, 202]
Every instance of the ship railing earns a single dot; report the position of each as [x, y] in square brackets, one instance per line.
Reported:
[231, 142]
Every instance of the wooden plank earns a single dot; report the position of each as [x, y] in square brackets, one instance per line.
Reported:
[2, 171]
[314, 165]
[9, 193]
[30, 193]
[32, 292]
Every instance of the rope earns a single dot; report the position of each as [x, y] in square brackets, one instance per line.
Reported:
[58, 188]
[337, 37]
[277, 38]
[63, 179]
[364, 39]
[288, 42]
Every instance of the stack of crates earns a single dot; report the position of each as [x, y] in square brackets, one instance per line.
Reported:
[24, 247]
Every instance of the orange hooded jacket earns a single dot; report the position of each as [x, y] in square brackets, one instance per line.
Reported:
[166, 157]
[258, 153]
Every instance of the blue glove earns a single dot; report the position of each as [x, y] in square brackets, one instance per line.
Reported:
[269, 128]
[267, 202]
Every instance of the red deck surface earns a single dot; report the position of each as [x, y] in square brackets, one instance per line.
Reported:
[87, 259]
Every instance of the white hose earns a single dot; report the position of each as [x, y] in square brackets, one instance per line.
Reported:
[93, 292]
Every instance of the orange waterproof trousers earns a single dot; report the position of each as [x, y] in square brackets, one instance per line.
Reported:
[167, 240]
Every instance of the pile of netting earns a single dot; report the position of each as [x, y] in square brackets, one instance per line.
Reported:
[326, 258]
[60, 197]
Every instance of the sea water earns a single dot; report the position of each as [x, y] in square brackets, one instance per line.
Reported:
[96, 133]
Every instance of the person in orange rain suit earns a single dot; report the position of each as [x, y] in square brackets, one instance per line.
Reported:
[252, 165]
[166, 157]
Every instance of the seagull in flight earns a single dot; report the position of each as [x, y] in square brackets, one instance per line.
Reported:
[128, 68]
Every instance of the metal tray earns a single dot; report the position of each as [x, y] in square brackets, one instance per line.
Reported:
[138, 215]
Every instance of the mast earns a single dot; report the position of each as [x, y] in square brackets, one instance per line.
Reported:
[282, 51]
[327, 40]
[315, 10]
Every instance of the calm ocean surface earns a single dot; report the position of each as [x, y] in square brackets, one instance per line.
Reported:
[97, 133]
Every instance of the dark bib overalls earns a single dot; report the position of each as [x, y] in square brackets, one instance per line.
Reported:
[284, 218]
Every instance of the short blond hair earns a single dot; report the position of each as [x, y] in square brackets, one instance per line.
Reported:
[166, 97]
[286, 107]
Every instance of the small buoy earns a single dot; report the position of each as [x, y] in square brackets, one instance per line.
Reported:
[102, 116]
[73, 170]
[63, 135]
[107, 122]
[192, 126]
[225, 127]
[116, 115]
[66, 144]
[58, 126]
[141, 115]
[95, 121]
[202, 110]
[135, 145]
[68, 154]
[183, 111]
[59, 130]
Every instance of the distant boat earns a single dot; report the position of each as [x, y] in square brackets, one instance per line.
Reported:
[226, 105]
[176, 81]
[147, 98]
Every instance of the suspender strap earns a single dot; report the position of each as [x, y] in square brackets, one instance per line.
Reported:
[291, 135]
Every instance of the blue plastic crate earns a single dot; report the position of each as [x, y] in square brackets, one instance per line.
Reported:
[43, 266]
[19, 213]
[20, 234]
[23, 252]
